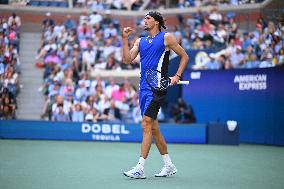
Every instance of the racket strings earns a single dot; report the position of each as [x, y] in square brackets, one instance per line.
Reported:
[156, 81]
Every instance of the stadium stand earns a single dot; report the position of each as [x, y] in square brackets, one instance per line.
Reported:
[71, 56]
[9, 65]
[42, 3]
[75, 48]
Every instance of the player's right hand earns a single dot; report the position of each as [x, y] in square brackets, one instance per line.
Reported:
[126, 32]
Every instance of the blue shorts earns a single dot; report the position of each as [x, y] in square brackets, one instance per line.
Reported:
[150, 103]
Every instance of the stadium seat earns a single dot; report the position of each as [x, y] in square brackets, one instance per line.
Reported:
[43, 3]
[34, 3]
[62, 4]
[53, 4]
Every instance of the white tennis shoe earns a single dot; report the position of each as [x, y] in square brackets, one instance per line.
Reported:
[167, 170]
[136, 173]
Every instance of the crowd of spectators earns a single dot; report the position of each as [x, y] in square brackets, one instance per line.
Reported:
[109, 4]
[9, 65]
[72, 49]
[230, 46]
[156, 4]
[199, 3]
[233, 48]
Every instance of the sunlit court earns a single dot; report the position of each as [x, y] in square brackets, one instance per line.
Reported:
[58, 164]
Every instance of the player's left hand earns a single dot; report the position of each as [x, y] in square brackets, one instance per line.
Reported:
[174, 80]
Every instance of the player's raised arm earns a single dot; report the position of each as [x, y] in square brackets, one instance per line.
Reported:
[171, 43]
[129, 55]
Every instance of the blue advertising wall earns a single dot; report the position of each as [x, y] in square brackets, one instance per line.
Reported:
[252, 97]
[195, 55]
[194, 133]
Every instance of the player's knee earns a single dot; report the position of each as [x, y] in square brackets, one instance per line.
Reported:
[146, 125]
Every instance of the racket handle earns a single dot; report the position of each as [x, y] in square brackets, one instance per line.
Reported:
[183, 82]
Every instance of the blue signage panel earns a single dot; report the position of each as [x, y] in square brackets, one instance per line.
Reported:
[195, 133]
[252, 97]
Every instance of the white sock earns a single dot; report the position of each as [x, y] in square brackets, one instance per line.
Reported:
[141, 163]
[167, 159]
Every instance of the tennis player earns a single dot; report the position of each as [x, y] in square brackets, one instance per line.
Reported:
[154, 54]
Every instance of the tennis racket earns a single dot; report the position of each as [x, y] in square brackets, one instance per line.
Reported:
[158, 81]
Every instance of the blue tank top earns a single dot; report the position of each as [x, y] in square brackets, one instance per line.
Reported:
[153, 55]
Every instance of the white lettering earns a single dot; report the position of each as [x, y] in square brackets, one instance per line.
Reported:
[106, 128]
[116, 128]
[96, 128]
[86, 128]
[123, 130]
[251, 82]
[195, 75]
[106, 137]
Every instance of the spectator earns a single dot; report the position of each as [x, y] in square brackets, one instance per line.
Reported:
[212, 64]
[69, 23]
[60, 115]
[77, 113]
[119, 94]
[111, 64]
[14, 20]
[48, 21]
[215, 16]
[89, 58]
[95, 18]
[252, 62]
[112, 113]
[110, 31]
[183, 113]
[237, 58]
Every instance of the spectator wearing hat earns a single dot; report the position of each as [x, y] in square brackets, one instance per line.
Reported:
[48, 21]
[212, 64]
[237, 58]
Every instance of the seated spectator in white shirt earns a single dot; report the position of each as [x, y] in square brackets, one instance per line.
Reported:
[237, 58]
[81, 92]
[108, 49]
[95, 18]
[110, 31]
[89, 58]
[60, 101]
[215, 16]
